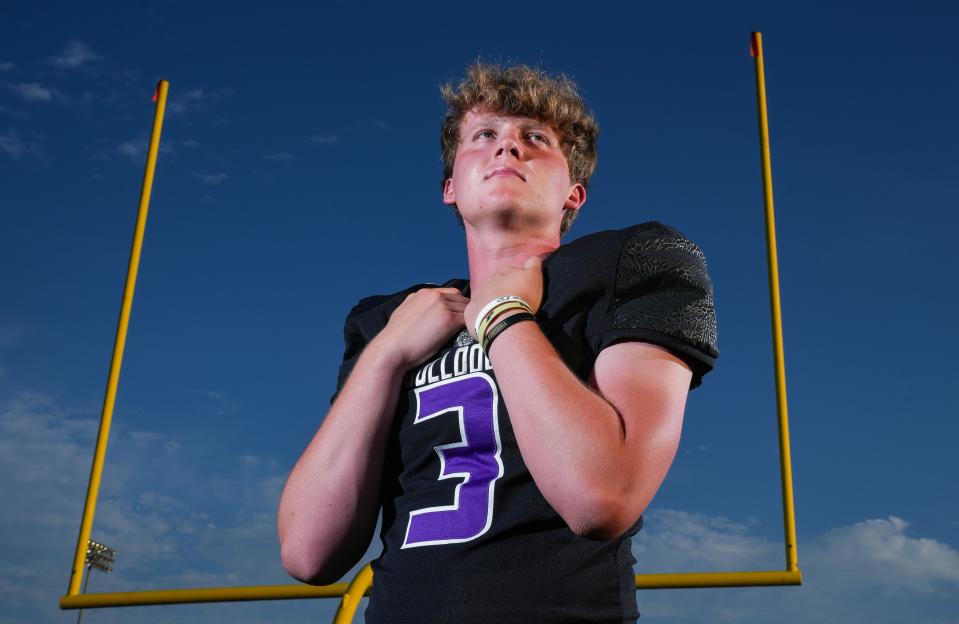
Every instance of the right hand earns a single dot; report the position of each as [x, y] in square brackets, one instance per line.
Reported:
[423, 323]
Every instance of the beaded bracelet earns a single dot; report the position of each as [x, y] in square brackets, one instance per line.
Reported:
[497, 329]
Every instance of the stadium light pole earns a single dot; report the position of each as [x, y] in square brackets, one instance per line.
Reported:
[100, 557]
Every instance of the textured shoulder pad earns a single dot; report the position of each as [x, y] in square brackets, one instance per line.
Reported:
[662, 285]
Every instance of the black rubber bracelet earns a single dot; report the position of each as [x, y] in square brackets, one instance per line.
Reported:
[497, 329]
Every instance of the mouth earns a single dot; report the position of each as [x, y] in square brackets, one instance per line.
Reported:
[504, 171]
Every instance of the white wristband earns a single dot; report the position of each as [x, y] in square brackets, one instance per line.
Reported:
[492, 304]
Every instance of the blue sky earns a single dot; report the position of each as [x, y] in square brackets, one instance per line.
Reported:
[300, 171]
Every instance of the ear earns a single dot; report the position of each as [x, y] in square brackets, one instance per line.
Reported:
[449, 197]
[576, 197]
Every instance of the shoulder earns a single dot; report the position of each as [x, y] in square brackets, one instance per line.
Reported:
[653, 251]
[614, 260]
[600, 249]
[647, 282]
[370, 314]
[644, 237]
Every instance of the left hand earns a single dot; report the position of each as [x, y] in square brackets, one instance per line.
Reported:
[526, 282]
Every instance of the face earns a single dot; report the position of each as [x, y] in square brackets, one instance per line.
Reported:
[510, 165]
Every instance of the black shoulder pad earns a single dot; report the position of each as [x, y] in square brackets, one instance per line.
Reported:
[662, 285]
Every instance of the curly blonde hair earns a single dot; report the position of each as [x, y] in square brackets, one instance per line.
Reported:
[523, 91]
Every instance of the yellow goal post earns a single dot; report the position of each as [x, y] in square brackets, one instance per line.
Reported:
[351, 594]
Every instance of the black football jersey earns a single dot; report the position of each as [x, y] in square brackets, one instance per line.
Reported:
[467, 535]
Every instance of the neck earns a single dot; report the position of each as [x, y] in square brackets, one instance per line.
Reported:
[490, 251]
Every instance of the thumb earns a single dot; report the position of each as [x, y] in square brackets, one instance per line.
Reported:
[532, 261]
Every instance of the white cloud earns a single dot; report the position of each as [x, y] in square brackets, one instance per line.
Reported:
[6, 66]
[143, 439]
[170, 447]
[249, 460]
[188, 520]
[181, 102]
[224, 404]
[11, 145]
[681, 541]
[193, 99]
[17, 114]
[74, 54]
[134, 150]
[32, 91]
[43, 451]
[871, 571]
[174, 521]
[879, 552]
[280, 157]
[212, 179]
[325, 139]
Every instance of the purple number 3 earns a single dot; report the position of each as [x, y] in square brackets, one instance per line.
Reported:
[475, 459]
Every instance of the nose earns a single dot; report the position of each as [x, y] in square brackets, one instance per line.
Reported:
[508, 143]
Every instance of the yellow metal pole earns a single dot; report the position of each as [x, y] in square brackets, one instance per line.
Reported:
[86, 584]
[359, 586]
[785, 461]
[717, 579]
[106, 415]
[199, 595]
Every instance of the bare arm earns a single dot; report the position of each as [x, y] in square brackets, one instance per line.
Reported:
[329, 506]
[599, 453]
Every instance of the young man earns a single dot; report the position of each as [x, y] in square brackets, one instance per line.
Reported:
[515, 426]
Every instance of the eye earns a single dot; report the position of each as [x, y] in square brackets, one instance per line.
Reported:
[484, 134]
[542, 138]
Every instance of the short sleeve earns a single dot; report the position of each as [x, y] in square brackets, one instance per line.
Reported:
[662, 294]
[354, 343]
[363, 323]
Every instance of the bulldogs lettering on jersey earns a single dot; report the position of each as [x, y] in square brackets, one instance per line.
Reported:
[469, 358]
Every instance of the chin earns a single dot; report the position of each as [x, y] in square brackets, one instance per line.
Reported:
[509, 216]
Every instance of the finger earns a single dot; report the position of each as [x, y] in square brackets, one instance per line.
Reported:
[456, 296]
[448, 290]
[456, 305]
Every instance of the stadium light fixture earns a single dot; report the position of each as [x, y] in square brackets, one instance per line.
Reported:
[101, 557]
